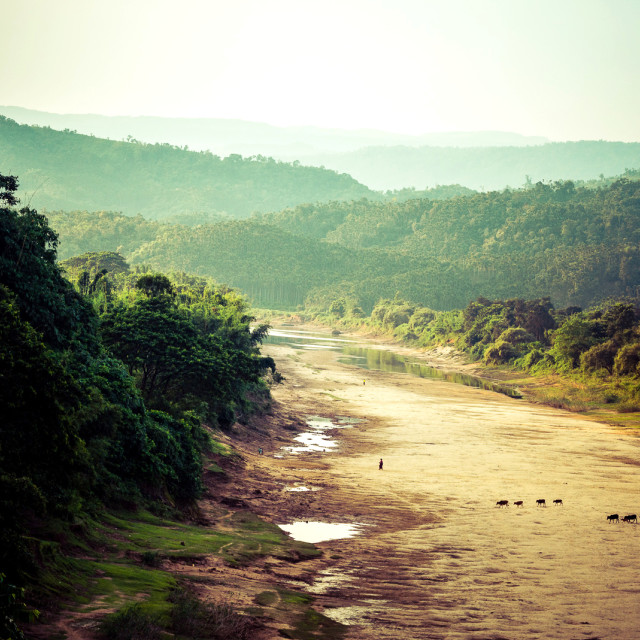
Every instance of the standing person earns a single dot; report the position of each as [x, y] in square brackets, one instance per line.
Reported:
[380, 464]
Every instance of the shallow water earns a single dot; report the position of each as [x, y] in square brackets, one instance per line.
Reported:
[378, 359]
[315, 440]
[308, 531]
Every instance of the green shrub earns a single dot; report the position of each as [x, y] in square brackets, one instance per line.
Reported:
[193, 618]
[499, 353]
[600, 356]
[131, 623]
[627, 360]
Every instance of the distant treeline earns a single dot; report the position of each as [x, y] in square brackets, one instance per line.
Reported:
[576, 244]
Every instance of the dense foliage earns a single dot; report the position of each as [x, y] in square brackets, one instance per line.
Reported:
[66, 170]
[602, 343]
[576, 244]
[105, 390]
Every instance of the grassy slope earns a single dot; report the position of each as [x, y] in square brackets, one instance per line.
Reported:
[141, 558]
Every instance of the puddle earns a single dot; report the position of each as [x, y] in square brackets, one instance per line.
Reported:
[315, 439]
[328, 579]
[302, 488]
[308, 531]
[349, 615]
[311, 442]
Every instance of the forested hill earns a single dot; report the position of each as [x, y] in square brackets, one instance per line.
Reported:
[66, 170]
[482, 168]
[575, 244]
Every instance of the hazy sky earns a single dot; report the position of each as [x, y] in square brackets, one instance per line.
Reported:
[565, 69]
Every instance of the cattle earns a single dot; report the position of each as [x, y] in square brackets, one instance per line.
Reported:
[631, 518]
[558, 502]
[502, 503]
[613, 518]
[541, 502]
[518, 503]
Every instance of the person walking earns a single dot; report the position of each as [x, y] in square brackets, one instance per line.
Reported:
[380, 464]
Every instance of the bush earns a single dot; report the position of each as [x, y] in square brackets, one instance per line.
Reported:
[516, 335]
[626, 360]
[499, 353]
[131, 623]
[600, 356]
[628, 406]
[195, 619]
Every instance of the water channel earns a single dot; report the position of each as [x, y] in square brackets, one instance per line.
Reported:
[353, 353]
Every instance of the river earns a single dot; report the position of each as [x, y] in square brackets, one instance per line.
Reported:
[434, 556]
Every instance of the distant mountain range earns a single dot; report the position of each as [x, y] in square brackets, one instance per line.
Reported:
[483, 168]
[158, 166]
[224, 137]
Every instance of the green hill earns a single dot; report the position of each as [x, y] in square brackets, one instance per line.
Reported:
[66, 170]
[577, 245]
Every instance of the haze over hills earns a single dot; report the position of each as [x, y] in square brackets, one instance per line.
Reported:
[223, 136]
[66, 170]
[380, 160]
[483, 168]
[577, 245]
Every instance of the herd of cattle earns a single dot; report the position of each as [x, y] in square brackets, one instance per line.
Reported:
[614, 517]
[541, 502]
[519, 503]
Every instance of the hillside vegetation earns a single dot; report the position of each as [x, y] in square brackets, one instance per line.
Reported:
[66, 170]
[576, 244]
[110, 393]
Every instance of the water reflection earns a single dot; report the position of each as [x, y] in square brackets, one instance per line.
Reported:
[315, 439]
[379, 359]
[320, 531]
[305, 339]
[388, 361]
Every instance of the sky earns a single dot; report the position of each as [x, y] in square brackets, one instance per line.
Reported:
[563, 69]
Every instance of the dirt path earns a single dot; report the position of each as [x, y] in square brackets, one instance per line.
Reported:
[437, 558]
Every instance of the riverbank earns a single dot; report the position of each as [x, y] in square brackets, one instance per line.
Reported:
[592, 398]
[435, 556]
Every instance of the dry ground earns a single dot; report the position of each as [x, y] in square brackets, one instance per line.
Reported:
[437, 558]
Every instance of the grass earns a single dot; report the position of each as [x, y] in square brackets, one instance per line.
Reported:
[249, 538]
[126, 573]
[131, 623]
[120, 582]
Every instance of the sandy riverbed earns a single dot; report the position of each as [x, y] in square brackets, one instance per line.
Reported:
[437, 558]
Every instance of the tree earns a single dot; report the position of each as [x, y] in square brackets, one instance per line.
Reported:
[627, 361]
[572, 338]
[600, 356]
